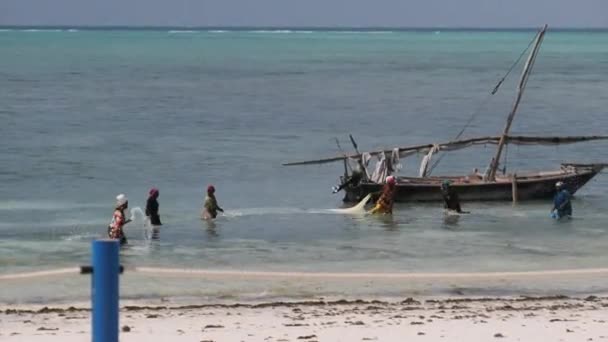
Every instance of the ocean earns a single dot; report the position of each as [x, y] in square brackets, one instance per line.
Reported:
[88, 114]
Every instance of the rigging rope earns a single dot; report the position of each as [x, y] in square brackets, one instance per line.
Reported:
[512, 66]
[485, 101]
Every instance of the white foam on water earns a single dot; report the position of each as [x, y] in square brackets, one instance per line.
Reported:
[80, 237]
[151, 233]
[271, 31]
[449, 212]
[281, 31]
[363, 32]
[181, 31]
[41, 30]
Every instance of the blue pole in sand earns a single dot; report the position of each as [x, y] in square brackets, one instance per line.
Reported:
[105, 290]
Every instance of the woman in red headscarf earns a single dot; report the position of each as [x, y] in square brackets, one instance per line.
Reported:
[384, 205]
[152, 207]
[211, 207]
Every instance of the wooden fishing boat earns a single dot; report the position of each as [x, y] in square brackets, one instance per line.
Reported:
[489, 186]
[537, 185]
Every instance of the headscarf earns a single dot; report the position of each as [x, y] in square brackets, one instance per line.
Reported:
[153, 192]
[121, 200]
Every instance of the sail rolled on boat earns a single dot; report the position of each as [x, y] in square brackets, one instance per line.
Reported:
[530, 140]
[461, 144]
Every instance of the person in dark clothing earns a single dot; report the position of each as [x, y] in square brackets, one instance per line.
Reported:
[152, 207]
[210, 208]
[450, 198]
[353, 180]
[562, 205]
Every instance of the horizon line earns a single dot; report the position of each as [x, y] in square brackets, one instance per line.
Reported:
[312, 27]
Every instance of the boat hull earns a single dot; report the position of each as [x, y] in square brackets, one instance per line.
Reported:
[528, 188]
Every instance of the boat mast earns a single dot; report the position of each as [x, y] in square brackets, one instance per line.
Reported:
[520, 90]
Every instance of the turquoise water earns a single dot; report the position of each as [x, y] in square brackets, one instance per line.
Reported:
[90, 114]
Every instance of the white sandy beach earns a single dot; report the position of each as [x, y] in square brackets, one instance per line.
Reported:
[453, 319]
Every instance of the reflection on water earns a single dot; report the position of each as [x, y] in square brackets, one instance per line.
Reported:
[451, 221]
[209, 226]
[155, 233]
[388, 222]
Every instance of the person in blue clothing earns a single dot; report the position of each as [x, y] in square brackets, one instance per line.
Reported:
[562, 206]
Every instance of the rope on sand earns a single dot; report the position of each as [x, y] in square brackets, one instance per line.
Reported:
[38, 274]
[319, 275]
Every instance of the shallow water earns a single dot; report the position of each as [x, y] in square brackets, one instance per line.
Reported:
[109, 112]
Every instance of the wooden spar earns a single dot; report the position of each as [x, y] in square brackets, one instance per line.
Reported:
[520, 90]
[551, 140]
[522, 140]
[401, 150]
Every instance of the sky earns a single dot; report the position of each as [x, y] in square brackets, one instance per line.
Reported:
[307, 13]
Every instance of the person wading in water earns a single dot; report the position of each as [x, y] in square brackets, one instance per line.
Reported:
[152, 207]
[210, 208]
[450, 198]
[116, 227]
[562, 204]
[384, 204]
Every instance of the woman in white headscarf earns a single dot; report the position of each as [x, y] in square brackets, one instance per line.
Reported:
[115, 229]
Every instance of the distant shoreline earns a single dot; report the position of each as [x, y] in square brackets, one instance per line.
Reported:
[294, 28]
